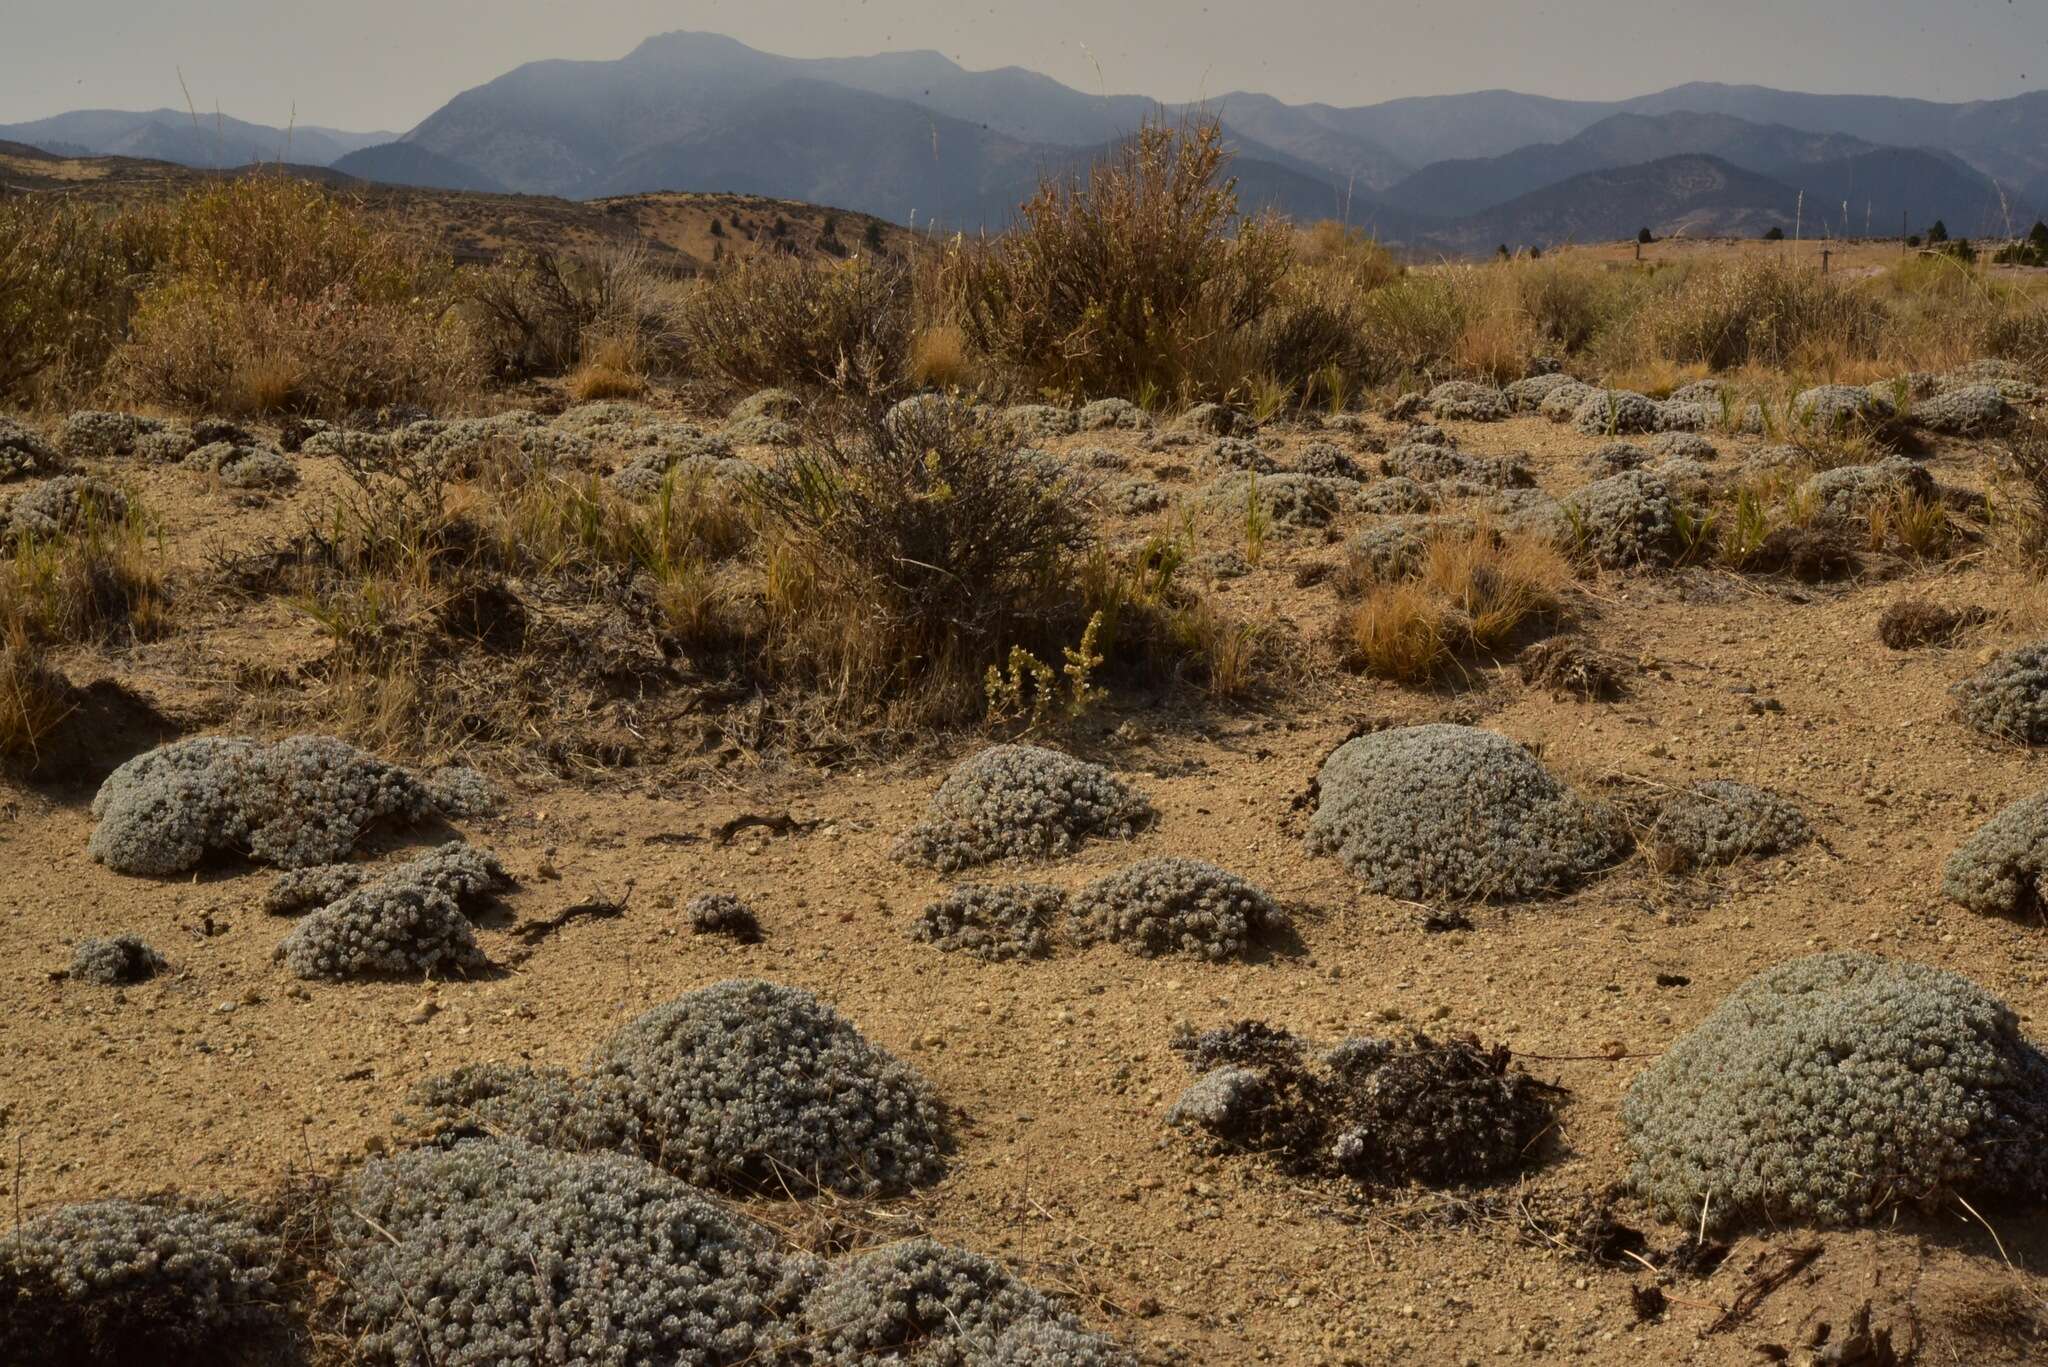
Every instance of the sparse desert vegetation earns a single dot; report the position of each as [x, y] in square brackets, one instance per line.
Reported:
[1166, 786]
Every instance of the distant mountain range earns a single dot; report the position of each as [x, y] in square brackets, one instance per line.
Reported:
[176, 135]
[913, 137]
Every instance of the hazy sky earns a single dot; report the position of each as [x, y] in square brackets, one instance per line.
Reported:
[364, 64]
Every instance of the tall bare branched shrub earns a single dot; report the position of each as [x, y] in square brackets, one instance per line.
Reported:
[278, 294]
[1139, 276]
[778, 320]
[69, 277]
[911, 556]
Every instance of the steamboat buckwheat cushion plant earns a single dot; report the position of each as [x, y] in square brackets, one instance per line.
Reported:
[731, 710]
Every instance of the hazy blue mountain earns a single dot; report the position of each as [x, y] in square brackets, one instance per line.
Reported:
[1690, 195]
[906, 133]
[174, 135]
[408, 163]
[1484, 123]
[1890, 187]
[2006, 139]
[1457, 188]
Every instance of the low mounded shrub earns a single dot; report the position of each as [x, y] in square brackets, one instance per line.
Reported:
[115, 962]
[1848, 492]
[1721, 821]
[244, 465]
[991, 922]
[1829, 1088]
[295, 803]
[384, 930]
[1177, 906]
[1625, 520]
[922, 1304]
[123, 1281]
[1285, 500]
[1969, 411]
[60, 506]
[751, 1086]
[1463, 401]
[92, 434]
[494, 1253]
[1835, 408]
[23, 452]
[1615, 413]
[2002, 870]
[2008, 698]
[1446, 812]
[1020, 802]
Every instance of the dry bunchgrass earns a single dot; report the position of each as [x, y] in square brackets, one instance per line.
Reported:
[1399, 632]
[938, 358]
[103, 581]
[34, 701]
[1472, 596]
[1918, 525]
[1498, 586]
[2020, 519]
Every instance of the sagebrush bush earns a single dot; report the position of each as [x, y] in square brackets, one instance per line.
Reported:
[122, 1281]
[1136, 276]
[1177, 906]
[776, 320]
[215, 349]
[1763, 313]
[1020, 802]
[1446, 812]
[275, 294]
[914, 554]
[1830, 1088]
[68, 278]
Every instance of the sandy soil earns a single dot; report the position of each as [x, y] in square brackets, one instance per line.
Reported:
[227, 1075]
